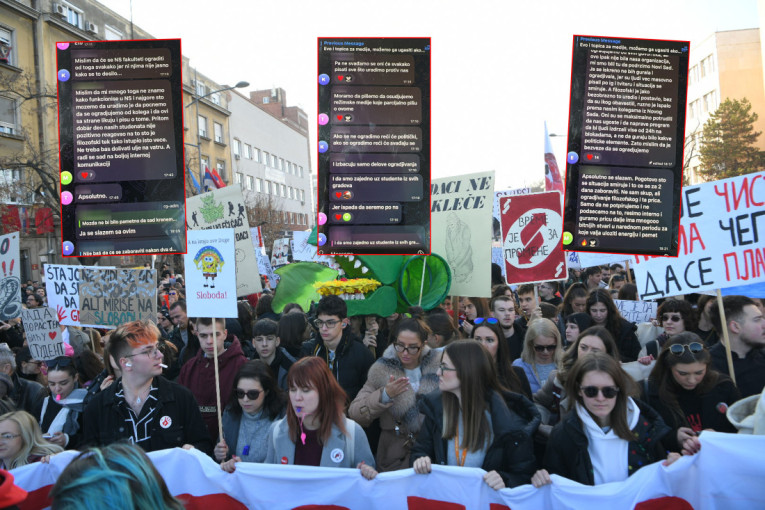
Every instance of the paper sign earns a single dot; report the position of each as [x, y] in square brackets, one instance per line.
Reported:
[211, 281]
[280, 252]
[264, 265]
[637, 311]
[43, 333]
[10, 284]
[110, 298]
[62, 288]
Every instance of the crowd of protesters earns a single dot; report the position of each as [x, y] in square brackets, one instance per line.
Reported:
[536, 380]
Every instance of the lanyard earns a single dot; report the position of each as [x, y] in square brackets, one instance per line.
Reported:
[460, 461]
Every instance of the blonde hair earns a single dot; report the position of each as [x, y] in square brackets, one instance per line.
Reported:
[537, 328]
[31, 438]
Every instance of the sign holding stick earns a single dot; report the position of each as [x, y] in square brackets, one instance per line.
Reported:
[43, 333]
[726, 339]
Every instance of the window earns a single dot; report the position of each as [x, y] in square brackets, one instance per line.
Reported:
[266, 100]
[249, 182]
[247, 151]
[238, 179]
[291, 191]
[221, 168]
[10, 186]
[268, 187]
[266, 158]
[202, 126]
[112, 34]
[8, 116]
[281, 165]
[6, 46]
[287, 218]
[274, 161]
[237, 147]
[301, 171]
[218, 132]
[201, 89]
[284, 190]
[259, 185]
[256, 155]
[215, 98]
[72, 14]
[205, 163]
[302, 195]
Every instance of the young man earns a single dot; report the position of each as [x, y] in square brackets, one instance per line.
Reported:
[548, 293]
[198, 374]
[746, 331]
[266, 343]
[346, 356]
[592, 277]
[142, 407]
[529, 306]
[503, 309]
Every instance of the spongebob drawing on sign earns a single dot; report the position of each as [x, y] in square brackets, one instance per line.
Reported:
[210, 261]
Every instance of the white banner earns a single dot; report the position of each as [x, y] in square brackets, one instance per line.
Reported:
[637, 311]
[62, 286]
[722, 241]
[10, 280]
[211, 273]
[264, 265]
[727, 473]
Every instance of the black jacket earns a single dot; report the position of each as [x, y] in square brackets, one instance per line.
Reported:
[511, 453]
[104, 421]
[750, 370]
[567, 453]
[627, 341]
[27, 395]
[352, 361]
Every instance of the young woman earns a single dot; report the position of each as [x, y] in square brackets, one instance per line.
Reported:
[575, 323]
[675, 316]
[687, 392]
[442, 330]
[470, 308]
[488, 332]
[608, 435]
[469, 424]
[62, 425]
[21, 441]
[541, 352]
[604, 313]
[574, 300]
[704, 328]
[396, 382]
[315, 431]
[255, 404]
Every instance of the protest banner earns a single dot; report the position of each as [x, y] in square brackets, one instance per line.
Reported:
[112, 297]
[264, 265]
[461, 230]
[726, 473]
[211, 273]
[225, 208]
[720, 245]
[600, 259]
[62, 289]
[304, 252]
[43, 333]
[637, 311]
[531, 237]
[280, 252]
[10, 285]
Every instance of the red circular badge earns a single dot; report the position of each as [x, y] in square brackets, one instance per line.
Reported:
[284, 460]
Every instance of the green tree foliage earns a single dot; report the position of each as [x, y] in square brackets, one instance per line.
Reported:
[729, 141]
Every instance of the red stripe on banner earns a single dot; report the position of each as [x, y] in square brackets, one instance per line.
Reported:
[37, 499]
[418, 503]
[497, 506]
[211, 501]
[321, 507]
[665, 503]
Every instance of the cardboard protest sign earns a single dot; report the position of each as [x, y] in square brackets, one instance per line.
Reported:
[531, 237]
[720, 241]
[43, 333]
[10, 284]
[637, 311]
[461, 230]
[304, 252]
[112, 297]
[62, 288]
[264, 265]
[211, 281]
[225, 208]
[280, 252]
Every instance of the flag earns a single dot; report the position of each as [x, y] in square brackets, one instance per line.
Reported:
[194, 181]
[553, 181]
[218, 179]
[209, 181]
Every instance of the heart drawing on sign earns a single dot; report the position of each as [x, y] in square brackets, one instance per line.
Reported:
[52, 335]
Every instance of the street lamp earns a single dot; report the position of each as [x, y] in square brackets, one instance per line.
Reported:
[195, 101]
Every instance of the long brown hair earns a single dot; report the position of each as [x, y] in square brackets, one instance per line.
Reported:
[313, 372]
[478, 377]
[572, 353]
[505, 373]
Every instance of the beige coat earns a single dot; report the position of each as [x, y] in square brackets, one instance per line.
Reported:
[394, 446]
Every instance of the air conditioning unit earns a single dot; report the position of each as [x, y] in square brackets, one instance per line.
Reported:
[237, 156]
[59, 10]
[91, 27]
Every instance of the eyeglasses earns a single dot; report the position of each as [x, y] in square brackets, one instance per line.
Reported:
[412, 349]
[330, 323]
[8, 436]
[679, 349]
[173, 293]
[481, 320]
[443, 368]
[251, 394]
[152, 353]
[608, 392]
[543, 348]
[671, 318]
[57, 363]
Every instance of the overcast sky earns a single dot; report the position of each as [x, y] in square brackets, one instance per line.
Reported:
[499, 68]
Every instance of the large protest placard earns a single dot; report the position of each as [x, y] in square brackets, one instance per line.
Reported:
[10, 284]
[225, 208]
[461, 230]
[637, 311]
[43, 333]
[280, 252]
[625, 145]
[62, 289]
[112, 297]
[211, 280]
[264, 265]
[121, 147]
[720, 241]
[531, 236]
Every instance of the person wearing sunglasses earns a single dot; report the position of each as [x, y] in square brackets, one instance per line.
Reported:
[688, 393]
[468, 423]
[488, 333]
[608, 435]
[61, 424]
[396, 382]
[541, 352]
[256, 402]
[675, 316]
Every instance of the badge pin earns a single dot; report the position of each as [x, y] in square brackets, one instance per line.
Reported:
[165, 422]
[337, 455]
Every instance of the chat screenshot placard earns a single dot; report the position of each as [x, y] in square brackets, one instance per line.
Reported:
[121, 142]
[624, 162]
[374, 146]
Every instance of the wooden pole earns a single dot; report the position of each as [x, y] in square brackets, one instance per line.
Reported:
[627, 268]
[726, 340]
[217, 379]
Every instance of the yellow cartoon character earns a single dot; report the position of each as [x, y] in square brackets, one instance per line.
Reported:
[210, 261]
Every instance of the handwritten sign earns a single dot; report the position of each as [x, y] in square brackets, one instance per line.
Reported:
[264, 265]
[637, 311]
[211, 277]
[43, 333]
[10, 284]
[62, 288]
[110, 298]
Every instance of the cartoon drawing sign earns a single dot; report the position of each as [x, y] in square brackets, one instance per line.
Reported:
[211, 274]
[10, 284]
[531, 233]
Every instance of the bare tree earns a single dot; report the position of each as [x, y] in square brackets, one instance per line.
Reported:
[265, 211]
